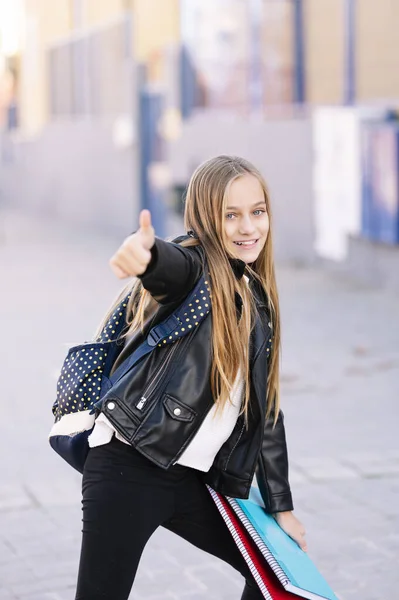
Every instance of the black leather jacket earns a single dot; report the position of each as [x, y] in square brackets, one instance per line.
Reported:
[164, 428]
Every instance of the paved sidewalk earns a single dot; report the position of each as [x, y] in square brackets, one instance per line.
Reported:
[340, 385]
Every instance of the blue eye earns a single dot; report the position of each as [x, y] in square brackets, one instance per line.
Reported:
[230, 215]
[259, 211]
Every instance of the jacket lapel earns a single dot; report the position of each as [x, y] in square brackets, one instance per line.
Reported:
[260, 336]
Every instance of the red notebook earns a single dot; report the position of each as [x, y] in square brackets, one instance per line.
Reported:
[267, 581]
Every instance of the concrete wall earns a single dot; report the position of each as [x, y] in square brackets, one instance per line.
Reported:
[281, 149]
[73, 172]
[368, 263]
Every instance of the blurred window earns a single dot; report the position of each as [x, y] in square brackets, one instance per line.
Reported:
[277, 43]
[240, 52]
[90, 72]
[216, 38]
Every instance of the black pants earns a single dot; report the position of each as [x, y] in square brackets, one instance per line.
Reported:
[125, 499]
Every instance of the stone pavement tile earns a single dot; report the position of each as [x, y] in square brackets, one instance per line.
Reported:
[67, 594]
[324, 468]
[168, 572]
[25, 524]
[365, 578]
[361, 591]
[67, 522]
[380, 495]
[42, 586]
[391, 545]
[171, 561]
[325, 495]
[13, 497]
[375, 469]
[353, 504]
[163, 596]
[355, 523]
[296, 476]
[40, 549]
[55, 492]
[368, 549]
[7, 553]
[386, 570]
[16, 572]
[25, 540]
[391, 456]
[167, 546]
[173, 581]
[6, 595]
[218, 576]
[200, 596]
[349, 594]
[53, 566]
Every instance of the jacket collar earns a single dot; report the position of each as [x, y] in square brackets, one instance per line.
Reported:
[238, 267]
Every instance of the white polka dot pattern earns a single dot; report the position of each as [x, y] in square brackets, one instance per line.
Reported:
[197, 309]
[79, 384]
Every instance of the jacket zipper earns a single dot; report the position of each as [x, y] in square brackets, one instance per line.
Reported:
[153, 383]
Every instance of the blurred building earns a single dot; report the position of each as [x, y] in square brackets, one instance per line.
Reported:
[11, 41]
[279, 51]
[75, 52]
[371, 36]
[306, 51]
[111, 94]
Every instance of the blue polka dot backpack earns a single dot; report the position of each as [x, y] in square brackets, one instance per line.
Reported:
[86, 377]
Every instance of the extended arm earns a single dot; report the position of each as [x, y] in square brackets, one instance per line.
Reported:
[272, 468]
[172, 272]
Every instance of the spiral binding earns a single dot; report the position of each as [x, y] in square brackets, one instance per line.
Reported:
[273, 563]
[240, 545]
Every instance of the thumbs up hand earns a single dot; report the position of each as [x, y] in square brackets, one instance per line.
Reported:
[133, 256]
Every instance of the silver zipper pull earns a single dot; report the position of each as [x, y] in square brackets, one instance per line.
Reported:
[140, 404]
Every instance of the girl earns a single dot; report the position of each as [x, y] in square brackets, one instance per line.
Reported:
[219, 422]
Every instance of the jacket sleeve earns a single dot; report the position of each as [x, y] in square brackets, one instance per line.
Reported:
[272, 467]
[172, 272]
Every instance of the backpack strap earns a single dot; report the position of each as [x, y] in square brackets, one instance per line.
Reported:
[180, 323]
[188, 315]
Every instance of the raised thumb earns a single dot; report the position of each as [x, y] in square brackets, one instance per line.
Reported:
[146, 228]
[145, 220]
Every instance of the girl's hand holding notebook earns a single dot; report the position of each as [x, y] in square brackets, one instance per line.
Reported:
[292, 527]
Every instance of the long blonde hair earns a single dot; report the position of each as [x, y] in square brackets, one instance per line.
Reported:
[205, 204]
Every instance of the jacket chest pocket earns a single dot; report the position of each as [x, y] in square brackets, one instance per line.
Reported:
[177, 410]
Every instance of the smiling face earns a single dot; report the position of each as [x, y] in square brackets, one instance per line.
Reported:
[246, 222]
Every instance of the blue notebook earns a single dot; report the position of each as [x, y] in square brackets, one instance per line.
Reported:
[293, 567]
